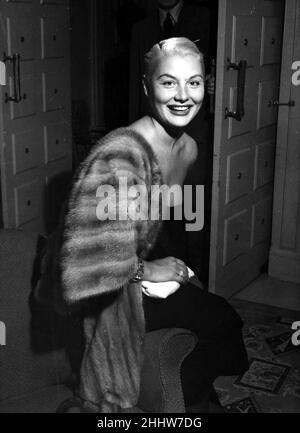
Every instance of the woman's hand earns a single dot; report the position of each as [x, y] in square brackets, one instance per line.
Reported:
[166, 269]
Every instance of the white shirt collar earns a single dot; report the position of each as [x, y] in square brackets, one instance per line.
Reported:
[175, 11]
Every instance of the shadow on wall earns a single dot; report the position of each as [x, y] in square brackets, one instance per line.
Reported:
[56, 194]
[50, 330]
[116, 68]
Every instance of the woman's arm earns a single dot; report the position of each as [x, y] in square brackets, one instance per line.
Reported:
[166, 269]
[100, 256]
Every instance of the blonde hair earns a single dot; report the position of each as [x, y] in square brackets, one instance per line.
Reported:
[170, 47]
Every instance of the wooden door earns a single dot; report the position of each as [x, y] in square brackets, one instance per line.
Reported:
[248, 74]
[36, 139]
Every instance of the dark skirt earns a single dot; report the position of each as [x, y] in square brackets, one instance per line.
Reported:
[220, 349]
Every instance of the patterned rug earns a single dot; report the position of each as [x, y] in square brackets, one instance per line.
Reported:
[272, 383]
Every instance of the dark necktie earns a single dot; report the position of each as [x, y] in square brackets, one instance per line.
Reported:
[168, 26]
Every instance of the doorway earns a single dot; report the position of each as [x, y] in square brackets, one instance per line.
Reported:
[248, 82]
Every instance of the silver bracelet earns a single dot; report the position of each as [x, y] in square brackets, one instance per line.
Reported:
[140, 272]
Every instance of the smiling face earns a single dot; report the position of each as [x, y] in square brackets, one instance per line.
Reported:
[176, 89]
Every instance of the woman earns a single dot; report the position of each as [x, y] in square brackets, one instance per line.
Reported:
[112, 242]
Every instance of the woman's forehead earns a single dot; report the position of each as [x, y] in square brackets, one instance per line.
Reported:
[177, 65]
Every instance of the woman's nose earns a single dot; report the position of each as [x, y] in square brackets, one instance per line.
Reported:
[181, 94]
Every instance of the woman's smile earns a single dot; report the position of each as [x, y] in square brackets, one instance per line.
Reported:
[180, 110]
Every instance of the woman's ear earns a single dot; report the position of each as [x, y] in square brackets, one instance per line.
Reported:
[145, 85]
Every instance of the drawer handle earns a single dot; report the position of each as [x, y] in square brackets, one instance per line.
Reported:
[239, 112]
[15, 59]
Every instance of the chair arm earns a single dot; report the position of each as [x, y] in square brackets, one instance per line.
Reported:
[161, 389]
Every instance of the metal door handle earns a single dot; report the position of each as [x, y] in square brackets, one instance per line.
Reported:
[239, 113]
[15, 59]
[288, 104]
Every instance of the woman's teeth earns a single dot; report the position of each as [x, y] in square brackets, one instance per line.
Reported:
[179, 108]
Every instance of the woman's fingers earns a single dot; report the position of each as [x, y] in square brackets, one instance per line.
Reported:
[183, 273]
[178, 269]
[179, 278]
[181, 270]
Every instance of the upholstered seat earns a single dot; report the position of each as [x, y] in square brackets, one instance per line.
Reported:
[35, 371]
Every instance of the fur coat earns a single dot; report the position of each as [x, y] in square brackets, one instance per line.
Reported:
[97, 261]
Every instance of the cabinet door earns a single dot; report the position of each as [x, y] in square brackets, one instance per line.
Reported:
[244, 148]
[36, 128]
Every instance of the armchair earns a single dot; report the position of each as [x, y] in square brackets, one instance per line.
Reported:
[35, 372]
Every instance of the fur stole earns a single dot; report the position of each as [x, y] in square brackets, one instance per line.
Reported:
[98, 259]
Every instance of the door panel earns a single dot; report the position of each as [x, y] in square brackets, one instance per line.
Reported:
[56, 142]
[261, 220]
[244, 149]
[271, 40]
[264, 164]
[54, 96]
[29, 198]
[53, 42]
[236, 235]
[245, 39]
[238, 175]
[20, 36]
[267, 112]
[26, 150]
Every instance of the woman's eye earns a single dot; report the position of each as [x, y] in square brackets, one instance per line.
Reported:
[168, 83]
[195, 83]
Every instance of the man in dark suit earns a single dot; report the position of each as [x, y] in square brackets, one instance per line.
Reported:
[173, 18]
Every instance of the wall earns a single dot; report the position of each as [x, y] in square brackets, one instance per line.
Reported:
[284, 261]
[80, 67]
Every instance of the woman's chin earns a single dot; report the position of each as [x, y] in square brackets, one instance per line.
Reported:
[174, 122]
[181, 119]
[180, 122]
